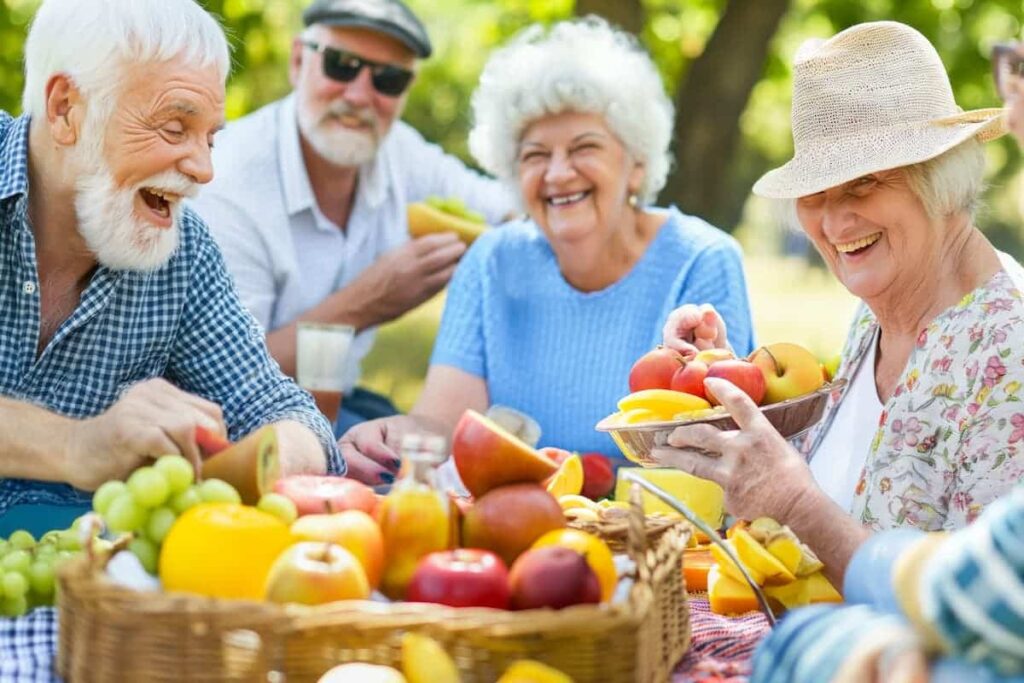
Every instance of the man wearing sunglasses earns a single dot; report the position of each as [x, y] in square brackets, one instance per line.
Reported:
[310, 195]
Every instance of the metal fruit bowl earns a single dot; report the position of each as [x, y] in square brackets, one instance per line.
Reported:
[791, 418]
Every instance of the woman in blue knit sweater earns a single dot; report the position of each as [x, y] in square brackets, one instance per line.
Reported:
[547, 314]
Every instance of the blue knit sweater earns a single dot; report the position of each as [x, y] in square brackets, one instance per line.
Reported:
[563, 356]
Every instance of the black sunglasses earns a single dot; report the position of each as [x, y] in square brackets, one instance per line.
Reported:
[344, 67]
[1007, 66]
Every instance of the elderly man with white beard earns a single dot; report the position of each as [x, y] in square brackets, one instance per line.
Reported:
[120, 330]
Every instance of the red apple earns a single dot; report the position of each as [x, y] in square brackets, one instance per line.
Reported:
[553, 576]
[654, 369]
[488, 456]
[508, 519]
[314, 494]
[690, 378]
[598, 475]
[744, 374]
[464, 577]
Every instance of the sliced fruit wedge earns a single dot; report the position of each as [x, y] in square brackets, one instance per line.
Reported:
[251, 465]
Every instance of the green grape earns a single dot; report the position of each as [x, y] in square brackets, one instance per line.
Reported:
[160, 522]
[4, 547]
[16, 561]
[218, 491]
[48, 551]
[50, 537]
[41, 577]
[68, 540]
[435, 201]
[186, 499]
[21, 539]
[105, 495]
[148, 487]
[62, 556]
[13, 606]
[474, 216]
[280, 506]
[147, 552]
[177, 471]
[15, 584]
[124, 514]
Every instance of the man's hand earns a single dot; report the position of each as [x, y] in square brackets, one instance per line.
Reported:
[371, 449]
[151, 419]
[405, 277]
[691, 328]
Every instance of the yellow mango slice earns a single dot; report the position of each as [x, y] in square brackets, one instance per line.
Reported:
[802, 592]
[754, 556]
[704, 497]
[728, 596]
[729, 568]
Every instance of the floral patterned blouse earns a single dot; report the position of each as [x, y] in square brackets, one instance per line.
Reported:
[949, 440]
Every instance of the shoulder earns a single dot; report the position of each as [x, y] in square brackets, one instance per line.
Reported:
[196, 244]
[6, 123]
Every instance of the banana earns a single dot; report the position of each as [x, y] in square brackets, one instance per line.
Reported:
[424, 219]
[663, 402]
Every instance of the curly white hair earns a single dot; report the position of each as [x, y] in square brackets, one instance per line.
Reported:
[584, 66]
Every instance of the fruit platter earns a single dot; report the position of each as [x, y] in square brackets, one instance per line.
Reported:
[787, 382]
[320, 579]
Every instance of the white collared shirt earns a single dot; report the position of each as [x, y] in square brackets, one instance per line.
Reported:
[284, 254]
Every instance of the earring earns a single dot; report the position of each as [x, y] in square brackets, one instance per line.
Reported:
[633, 200]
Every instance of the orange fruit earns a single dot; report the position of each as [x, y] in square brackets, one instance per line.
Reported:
[223, 550]
[596, 552]
[568, 480]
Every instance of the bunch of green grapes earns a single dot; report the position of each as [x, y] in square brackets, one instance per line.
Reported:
[152, 498]
[456, 207]
[28, 567]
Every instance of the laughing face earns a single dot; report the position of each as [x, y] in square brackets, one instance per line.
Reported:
[873, 232]
[575, 176]
[137, 167]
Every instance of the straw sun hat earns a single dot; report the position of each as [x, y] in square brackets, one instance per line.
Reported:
[873, 97]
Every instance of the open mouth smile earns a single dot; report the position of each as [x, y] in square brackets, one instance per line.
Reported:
[568, 199]
[858, 246]
[160, 204]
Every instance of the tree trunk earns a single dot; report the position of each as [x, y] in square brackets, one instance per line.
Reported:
[708, 109]
[626, 14]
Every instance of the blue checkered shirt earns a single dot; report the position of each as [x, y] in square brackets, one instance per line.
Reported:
[182, 322]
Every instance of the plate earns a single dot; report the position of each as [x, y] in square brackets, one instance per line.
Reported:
[791, 418]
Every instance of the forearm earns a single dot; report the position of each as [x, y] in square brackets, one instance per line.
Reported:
[831, 533]
[300, 451]
[348, 306]
[33, 441]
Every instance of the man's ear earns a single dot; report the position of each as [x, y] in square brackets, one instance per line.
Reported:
[295, 61]
[65, 109]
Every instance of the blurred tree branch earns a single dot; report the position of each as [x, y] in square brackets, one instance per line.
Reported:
[627, 14]
[708, 108]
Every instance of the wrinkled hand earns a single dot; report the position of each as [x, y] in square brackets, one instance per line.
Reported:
[371, 449]
[151, 419]
[405, 277]
[691, 328]
[761, 474]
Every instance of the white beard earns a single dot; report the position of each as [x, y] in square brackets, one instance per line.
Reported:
[118, 238]
[339, 145]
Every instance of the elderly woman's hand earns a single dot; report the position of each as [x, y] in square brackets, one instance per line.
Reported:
[691, 328]
[762, 475]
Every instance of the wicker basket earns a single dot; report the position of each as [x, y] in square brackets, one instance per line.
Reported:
[110, 633]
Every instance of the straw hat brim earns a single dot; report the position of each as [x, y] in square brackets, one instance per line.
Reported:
[832, 162]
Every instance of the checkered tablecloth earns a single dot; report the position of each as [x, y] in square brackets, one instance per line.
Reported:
[720, 649]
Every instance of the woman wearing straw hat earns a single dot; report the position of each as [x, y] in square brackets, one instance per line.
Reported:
[884, 179]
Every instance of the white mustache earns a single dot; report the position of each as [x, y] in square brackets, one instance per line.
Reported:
[170, 182]
[343, 108]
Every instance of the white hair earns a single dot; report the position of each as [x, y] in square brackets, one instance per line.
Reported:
[583, 66]
[947, 185]
[92, 41]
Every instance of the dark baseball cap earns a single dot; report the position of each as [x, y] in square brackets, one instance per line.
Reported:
[390, 17]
